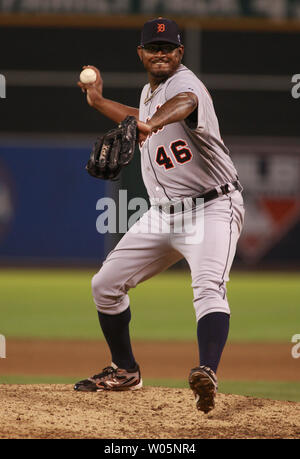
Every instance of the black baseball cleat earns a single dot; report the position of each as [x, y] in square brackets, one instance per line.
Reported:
[204, 384]
[112, 378]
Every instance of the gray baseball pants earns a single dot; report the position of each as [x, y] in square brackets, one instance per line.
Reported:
[141, 254]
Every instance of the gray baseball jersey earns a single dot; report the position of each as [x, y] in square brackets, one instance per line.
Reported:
[183, 159]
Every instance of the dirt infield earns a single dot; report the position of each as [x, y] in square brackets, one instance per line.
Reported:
[170, 360]
[57, 411]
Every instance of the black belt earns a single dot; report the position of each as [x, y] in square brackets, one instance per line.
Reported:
[209, 196]
[215, 193]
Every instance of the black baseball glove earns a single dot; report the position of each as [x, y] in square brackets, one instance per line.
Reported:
[113, 150]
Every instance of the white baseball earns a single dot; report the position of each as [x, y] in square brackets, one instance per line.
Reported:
[88, 76]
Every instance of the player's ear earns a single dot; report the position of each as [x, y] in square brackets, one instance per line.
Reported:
[140, 52]
[181, 51]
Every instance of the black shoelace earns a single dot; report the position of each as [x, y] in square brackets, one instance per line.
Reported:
[105, 372]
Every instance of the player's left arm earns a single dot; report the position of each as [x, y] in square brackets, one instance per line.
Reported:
[176, 109]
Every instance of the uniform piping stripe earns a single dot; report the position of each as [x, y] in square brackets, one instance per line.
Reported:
[229, 245]
[155, 173]
[152, 164]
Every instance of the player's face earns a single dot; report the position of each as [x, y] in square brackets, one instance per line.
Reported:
[161, 60]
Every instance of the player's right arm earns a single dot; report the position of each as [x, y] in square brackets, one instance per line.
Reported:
[109, 108]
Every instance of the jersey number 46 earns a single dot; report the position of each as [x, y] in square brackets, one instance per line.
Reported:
[179, 148]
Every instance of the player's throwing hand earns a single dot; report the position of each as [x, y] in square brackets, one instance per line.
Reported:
[93, 90]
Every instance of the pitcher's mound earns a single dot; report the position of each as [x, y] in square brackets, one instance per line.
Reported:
[57, 411]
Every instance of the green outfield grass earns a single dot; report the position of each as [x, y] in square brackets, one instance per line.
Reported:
[58, 304]
[263, 389]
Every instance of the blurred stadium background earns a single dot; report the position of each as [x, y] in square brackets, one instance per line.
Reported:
[247, 54]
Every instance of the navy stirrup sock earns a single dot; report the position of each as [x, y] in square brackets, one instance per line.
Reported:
[212, 334]
[116, 332]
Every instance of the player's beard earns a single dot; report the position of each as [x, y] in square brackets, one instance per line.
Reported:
[160, 72]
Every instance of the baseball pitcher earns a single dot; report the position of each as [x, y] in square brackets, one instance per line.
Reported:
[183, 160]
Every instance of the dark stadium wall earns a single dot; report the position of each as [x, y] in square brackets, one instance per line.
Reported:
[42, 64]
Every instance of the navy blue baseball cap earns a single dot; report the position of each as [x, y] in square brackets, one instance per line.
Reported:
[161, 29]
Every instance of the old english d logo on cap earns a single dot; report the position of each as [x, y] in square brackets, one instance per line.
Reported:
[161, 27]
